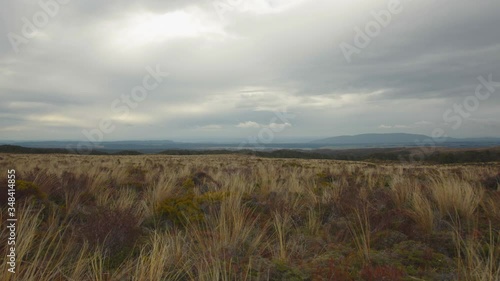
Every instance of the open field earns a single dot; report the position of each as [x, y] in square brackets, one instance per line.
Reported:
[237, 217]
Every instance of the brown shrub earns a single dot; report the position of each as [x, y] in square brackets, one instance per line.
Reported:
[381, 273]
[113, 230]
[491, 182]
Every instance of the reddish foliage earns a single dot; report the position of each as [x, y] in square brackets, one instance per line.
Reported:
[330, 271]
[381, 273]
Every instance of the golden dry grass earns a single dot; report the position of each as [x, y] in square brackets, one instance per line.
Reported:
[229, 217]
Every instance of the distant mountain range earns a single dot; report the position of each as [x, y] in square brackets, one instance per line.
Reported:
[399, 138]
[340, 142]
[394, 139]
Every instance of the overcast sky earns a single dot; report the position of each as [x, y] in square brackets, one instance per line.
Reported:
[237, 68]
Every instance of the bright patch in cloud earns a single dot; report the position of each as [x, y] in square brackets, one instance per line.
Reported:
[278, 127]
[148, 28]
[133, 118]
[26, 105]
[56, 120]
[248, 124]
[385, 126]
[417, 124]
[211, 127]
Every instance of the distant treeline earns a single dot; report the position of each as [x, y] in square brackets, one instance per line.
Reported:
[358, 155]
[464, 157]
[28, 150]
[15, 149]
[368, 154]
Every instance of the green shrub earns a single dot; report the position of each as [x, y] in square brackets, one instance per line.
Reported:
[180, 210]
[386, 239]
[282, 271]
[25, 189]
[416, 256]
[189, 208]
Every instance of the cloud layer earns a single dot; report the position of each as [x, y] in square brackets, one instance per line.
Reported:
[233, 64]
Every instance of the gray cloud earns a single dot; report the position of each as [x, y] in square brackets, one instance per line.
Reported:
[259, 58]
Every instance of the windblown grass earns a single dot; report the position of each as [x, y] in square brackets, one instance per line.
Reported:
[229, 217]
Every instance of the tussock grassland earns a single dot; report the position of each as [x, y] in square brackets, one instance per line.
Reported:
[153, 217]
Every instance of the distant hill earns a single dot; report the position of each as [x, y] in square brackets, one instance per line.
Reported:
[376, 139]
[29, 150]
[114, 145]
[157, 146]
[16, 149]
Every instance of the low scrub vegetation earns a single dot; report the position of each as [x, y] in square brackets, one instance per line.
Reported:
[241, 217]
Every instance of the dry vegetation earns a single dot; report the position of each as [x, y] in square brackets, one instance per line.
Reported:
[247, 218]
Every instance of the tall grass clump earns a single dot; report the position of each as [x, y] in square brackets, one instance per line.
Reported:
[455, 198]
[402, 190]
[361, 233]
[422, 212]
[478, 259]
